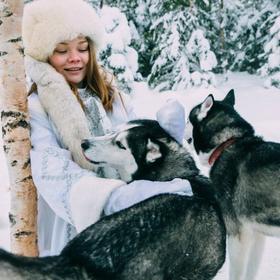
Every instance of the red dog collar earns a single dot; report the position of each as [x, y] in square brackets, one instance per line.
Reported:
[217, 152]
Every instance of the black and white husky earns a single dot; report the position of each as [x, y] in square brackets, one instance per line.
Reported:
[245, 174]
[168, 236]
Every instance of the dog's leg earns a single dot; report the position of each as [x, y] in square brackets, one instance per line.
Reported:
[239, 249]
[257, 246]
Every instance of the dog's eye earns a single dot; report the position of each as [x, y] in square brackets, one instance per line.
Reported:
[120, 145]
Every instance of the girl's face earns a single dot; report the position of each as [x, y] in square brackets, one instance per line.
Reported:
[70, 58]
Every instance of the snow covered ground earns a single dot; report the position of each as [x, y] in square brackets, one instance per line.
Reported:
[258, 105]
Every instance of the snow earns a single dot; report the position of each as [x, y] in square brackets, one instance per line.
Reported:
[116, 55]
[274, 60]
[272, 49]
[174, 41]
[258, 105]
[199, 48]
[276, 27]
[117, 60]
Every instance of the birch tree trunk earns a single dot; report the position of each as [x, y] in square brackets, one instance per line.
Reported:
[16, 131]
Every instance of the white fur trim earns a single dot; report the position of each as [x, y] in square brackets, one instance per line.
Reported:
[87, 199]
[62, 106]
[171, 117]
[49, 22]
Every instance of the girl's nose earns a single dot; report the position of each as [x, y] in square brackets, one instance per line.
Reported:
[74, 57]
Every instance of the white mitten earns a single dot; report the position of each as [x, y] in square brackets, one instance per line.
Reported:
[139, 190]
[87, 199]
[171, 117]
[62, 106]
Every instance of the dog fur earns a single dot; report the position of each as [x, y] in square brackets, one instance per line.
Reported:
[168, 236]
[245, 174]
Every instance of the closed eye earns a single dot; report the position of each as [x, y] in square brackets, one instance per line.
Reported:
[83, 50]
[60, 51]
[120, 145]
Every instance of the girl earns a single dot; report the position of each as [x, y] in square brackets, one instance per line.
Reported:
[71, 98]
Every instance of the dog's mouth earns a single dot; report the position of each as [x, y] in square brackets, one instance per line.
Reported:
[93, 161]
[97, 162]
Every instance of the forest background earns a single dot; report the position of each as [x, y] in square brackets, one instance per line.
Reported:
[183, 43]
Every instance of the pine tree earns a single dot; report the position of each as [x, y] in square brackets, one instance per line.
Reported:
[219, 22]
[183, 57]
[140, 20]
[170, 60]
[271, 69]
[252, 33]
[236, 31]
[202, 59]
[116, 54]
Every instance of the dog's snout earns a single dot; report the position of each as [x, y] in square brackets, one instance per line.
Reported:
[85, 144]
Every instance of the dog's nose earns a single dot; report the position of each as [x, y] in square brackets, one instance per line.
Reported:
[189, 140]
[85, 144]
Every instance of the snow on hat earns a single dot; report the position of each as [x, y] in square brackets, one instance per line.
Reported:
[49, 22]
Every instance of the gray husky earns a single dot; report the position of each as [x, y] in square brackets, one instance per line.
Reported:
[168, 236]
[245, 174]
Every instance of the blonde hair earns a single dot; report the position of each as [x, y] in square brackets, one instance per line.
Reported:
[97, 80]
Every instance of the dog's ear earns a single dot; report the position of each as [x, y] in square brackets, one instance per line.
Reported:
[206, 105]
[230, 98]
[153, 152]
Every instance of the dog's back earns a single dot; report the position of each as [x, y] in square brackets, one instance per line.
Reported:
[165, 238]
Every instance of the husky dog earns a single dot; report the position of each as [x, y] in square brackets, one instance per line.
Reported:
[245, 174]
[168, 236]
[139, 150]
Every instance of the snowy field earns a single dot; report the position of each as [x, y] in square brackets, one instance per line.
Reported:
[258, 105]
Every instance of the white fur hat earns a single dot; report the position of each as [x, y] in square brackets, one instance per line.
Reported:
[49, 22]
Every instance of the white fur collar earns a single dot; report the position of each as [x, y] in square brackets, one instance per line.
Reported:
[62, 107]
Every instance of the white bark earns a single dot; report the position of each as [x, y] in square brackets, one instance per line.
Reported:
[16, 130]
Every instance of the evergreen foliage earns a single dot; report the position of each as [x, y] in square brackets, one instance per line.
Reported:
[116, 55]
[140, 20]
[271, 69]
[184, 58]
[251, 36]
[232, 33]
[194, 60]
[183, 43]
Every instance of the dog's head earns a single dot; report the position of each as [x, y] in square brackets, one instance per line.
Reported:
[212, 123]
[136, 145]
